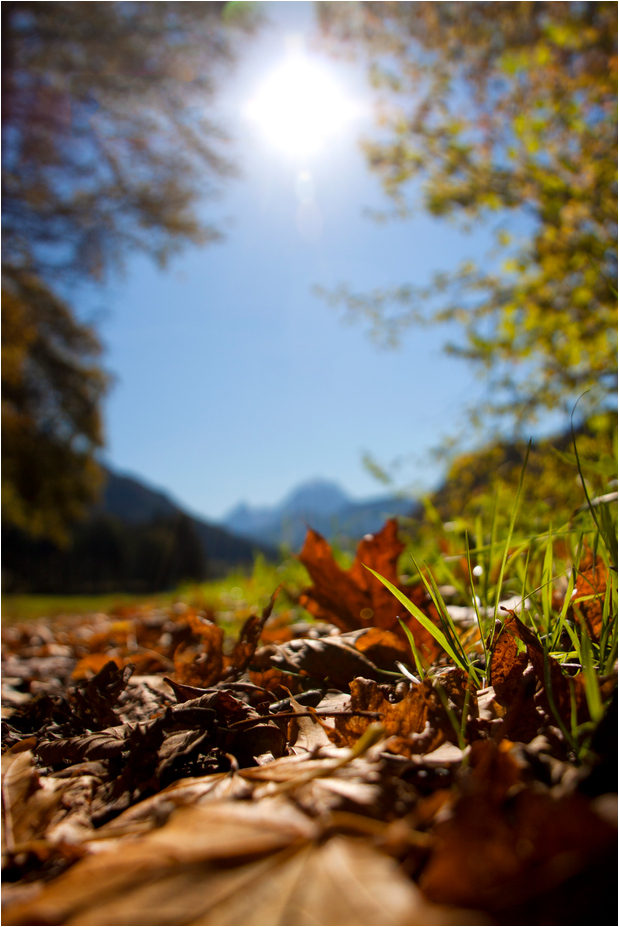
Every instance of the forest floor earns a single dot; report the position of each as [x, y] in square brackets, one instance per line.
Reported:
[324, 772]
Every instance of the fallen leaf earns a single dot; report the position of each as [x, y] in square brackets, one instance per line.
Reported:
[93, 701]
[589, 592]
[327, 660]
[514, 687]
[101, 745]
[504, 844]
[383, 648]
[217, 831]
[32, 804]
[556, 688]
[245, 647]
[417, 723]
[194, 870]
[200, 664]
[305, 733]
[92, 663]
[354, 598]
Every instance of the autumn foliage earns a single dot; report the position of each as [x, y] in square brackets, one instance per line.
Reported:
[354, 598]
[156, 772]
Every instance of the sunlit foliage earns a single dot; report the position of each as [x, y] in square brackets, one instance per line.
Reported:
[482, 484]
[493, 112]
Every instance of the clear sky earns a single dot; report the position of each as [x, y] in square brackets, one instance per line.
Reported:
[233, 380]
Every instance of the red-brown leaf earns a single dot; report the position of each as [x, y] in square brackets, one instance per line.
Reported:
[354, 598]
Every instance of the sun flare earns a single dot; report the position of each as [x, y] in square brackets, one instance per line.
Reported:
[299, 106]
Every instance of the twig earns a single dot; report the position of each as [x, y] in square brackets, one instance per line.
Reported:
[377, 715]
[599, 500]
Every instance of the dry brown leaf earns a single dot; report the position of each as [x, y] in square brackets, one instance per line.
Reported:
[342, 881]
[249, 636]
[28, 801]
[194, 870]
[274, 681]
[216, 831]
[514, 687]
[360, 885]
[528, 684]
[204, 663]
[330, 660]
[417, 724]
[39, 812]
[354, 598]
[305, 733]
[200, 664]
[494, 855]
[508, 663]
[93, 663]
[383, 648]
[563, 689]
[589, 592]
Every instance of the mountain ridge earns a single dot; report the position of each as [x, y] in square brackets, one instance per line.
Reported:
[320, 504]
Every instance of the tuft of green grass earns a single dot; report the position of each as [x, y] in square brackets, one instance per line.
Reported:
[538, 574]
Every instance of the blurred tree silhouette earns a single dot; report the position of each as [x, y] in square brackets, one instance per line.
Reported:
[498, 109]
[104, 555]
[51, 388]
[107, 146]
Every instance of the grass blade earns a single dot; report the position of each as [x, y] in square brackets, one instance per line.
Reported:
[510, 531]
[415, 652]
[592, 686]
[423, 620]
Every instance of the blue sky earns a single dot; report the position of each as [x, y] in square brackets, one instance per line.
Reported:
[234, 381]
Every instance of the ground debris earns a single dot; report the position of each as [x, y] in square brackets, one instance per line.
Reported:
[162, 778]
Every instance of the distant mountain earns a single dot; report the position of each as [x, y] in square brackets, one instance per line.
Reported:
[315, 499]
[318, 504]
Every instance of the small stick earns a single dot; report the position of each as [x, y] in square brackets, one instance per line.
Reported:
[307, 714]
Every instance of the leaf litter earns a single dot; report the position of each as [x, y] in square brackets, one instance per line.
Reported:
[150, 776]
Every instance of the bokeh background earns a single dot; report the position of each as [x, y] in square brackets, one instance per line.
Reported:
[227, 230]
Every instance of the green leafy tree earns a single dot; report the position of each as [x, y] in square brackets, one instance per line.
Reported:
[492, 111]
[107, 148]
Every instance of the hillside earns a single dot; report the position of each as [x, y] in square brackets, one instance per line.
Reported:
[136, 540]
[134, 502]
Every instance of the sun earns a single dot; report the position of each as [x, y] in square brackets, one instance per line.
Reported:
[300, 106]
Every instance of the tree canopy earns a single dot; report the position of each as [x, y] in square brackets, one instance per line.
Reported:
[108, 146]
[490, 111]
